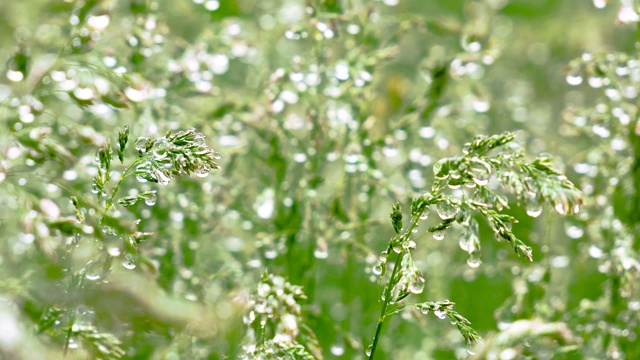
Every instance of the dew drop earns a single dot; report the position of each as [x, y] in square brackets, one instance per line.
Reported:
[128, 262]
[416, 286]
[574, 232]
[470, 350]
[575, 209]
[141, 144]
[93, 270]
[533, 207]
[377, 269]
[438, 235]
[150, 198]
[409, 245]
[480, 172]
[600, 4]
[320, 253]
[464, 243]
[369, 350]
[160, 148]
[425, 214]
[73, 344]
[595, 82]
[141, 179]
[270, 253]
[337, 350]
[383, 256]
[441, 314]
[474, 261]
[595, 252]
[446, 210]
[574, 80]
[161, 177]
[424, 309]
[561, 208]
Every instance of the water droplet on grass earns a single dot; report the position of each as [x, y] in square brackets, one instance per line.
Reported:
[473, 261]
[595, 252]
[533, 207]
[574, 80]
[93, 270]
[337, 350]
[416, 286]
[141, 144]
[446, 210]
[150, 198]
[480, 172]
[320, 253]
[561, 208]
[128, 262]
[424, 309]
[377, 269]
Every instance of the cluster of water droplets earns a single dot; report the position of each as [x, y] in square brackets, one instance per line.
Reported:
[275, 301]
[411, 281]
[439, 309]
[28, 107]
[621, 83]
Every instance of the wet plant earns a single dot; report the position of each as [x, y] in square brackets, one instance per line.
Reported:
[326, 112]
[276, 327]
[101, 226]
[468, 178]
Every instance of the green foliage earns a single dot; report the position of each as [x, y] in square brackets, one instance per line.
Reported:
[275, 323]
[325, 112]
[474, 172]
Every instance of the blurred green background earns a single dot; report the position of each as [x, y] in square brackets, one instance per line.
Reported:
[325, 113]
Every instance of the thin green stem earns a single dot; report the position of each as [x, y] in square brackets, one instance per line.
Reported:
[126, 173]
[390, 285]
[383, 312]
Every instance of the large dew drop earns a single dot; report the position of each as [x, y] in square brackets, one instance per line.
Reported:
[416, 286]
[160, 148]
[128, 262]
[425, 214]
[377, 269]
[474, 261]
[480, 172]
[574, 80]
[141, 144]
[93, 270]
[337, 349]
[533, 207]
[438, 235]
[446, 210]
